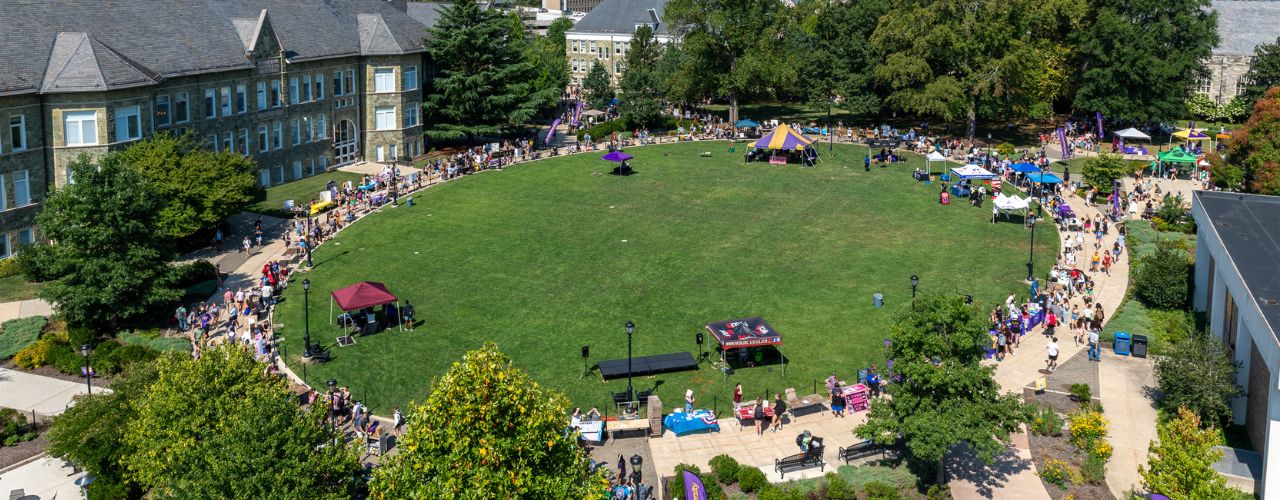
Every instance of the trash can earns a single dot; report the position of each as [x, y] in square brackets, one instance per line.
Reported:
[878, 300]
[1139, 346]
[1122, 343]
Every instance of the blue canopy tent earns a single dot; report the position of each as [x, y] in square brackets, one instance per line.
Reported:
[745, 123]
[1044, 178]
[1024, 168]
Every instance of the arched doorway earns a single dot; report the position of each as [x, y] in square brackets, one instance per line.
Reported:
[345, 147]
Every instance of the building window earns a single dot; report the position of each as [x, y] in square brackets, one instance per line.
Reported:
[4, 245]
[306, 88]
[181, 108]
[277, 136]
[319, 86]
[128, 124]
[321, 131]
[410, 78]
[228, 141]
[393, 151]
[1242, 83]
[4, 200]
[80, 128]
[349, 83]
[384, 118]
[1206, 85]
[244, 141]
[384, 80]
[162, 110]
[278, 174]
[295, 132]
[242, 98]
[297, 169]
[324, 163]
[211, 142]
[226, 100]
[410, 115]
[210, 103]
[293, 90]
[306, 129]
[337, 84]
[275, 93]
[262, 96]
[17, 132]
[21, 189]
[263, 145]
[26, 237]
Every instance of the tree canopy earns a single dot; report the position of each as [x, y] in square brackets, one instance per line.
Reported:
[1180, 463]
[487, 427]
[839, 62]
[1197, 375]
[1264, 72]
[946, 396]
[1141, 59]
[200, 188]
[217, 428]
[108, 265]
[547, 56]
[484, 85]
[596, 87]
[89, 433]
[640, 88]
[1252, 159]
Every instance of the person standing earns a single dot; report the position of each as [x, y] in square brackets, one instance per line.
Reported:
[181, 315]
[779, 407]
[1095, 354]
[688, 400]
[757, 414]
[837, 403]
[1053, 354]
[737, 395]
[407, 312]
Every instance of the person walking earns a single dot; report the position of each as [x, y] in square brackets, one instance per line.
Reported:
[837, 403]
[1095, 353]
[779, 407]
[246, 245]
[1052, 347]
[757, 414]
[688, 400]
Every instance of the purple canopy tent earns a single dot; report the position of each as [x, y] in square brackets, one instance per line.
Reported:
[616, 156]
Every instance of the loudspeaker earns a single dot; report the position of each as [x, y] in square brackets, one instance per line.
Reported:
[698, 338]
[586, 351]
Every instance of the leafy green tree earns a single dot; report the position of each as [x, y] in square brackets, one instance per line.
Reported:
[1198, 375]
[1180, 463]
[1254, 149]
[1162, 280]
[200, 188]
[108, 263]
[1125, 65]
[1264, 73]
[484, 85]
[678, 83]
[840, 55]
[597, 88]
[640, 88]
[217, 428]
[733, 47]
[1102, 171]
[946, 396]
[489, 430]
[549, 60]
[88, 433]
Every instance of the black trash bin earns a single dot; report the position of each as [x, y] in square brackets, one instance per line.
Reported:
[1139, 346]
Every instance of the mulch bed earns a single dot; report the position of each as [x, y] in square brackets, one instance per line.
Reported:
[10, 455]
[1046, 447]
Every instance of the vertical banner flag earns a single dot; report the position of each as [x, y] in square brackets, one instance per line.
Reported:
[693, 489]
[1099, 115]
[1062, 142]
[1115, 205]
[552, 133]
[577, 114]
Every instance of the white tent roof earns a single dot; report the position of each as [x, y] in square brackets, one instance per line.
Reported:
[1003, 202]
[973, 172]
[1132, 133]
[936, 156]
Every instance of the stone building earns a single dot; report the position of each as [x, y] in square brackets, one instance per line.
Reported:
[605, 33]
[302, 87]
[1242, 26]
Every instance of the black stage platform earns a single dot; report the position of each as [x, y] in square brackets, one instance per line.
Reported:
[648, 365]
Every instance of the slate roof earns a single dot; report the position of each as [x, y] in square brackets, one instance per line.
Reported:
[621, 17]
[78, 45]
[427, 13]
[1243, 25]
[1250, 232]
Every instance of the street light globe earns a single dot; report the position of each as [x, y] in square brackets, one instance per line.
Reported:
[333, 384]
[84, 350]
[915, 280]
[306, 284]
[631, 327]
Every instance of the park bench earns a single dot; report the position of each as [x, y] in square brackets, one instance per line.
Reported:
[807, 460]
[863, 449]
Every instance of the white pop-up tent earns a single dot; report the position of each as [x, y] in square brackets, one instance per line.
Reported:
[1011, 204]
[972, 172]
[932, 157]
[1132, 133]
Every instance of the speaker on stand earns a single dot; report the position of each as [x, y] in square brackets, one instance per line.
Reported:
[698, 338]
[586, 353]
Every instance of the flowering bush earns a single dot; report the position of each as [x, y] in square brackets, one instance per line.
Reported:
[1060, 473]
[1086, 427]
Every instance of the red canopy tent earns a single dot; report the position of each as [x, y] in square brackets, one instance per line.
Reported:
[361, 295]
[745, 333]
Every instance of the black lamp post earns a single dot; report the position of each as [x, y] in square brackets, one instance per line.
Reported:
[333, 386]
[631, 327]
[1031, 249]
[915, 280]
[88, 381]
[306, 318]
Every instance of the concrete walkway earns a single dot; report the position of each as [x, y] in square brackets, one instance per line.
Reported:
[1128, 385]
[45, 395]
[24, 309]
[45, 478]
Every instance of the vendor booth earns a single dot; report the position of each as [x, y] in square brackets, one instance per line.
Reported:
[932, 157]
[1024, 168]
[1011, 204]
[746, 335]
[783, 143]
[362, 297]
[963, 176]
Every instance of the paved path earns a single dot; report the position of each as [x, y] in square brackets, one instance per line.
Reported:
[45, 395]
[24, 309]
[1128, 384]
[42, 479]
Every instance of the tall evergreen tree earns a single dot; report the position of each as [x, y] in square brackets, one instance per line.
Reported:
[640, 88]
[946, 396]
[550, 61]
[108, 264]
[1141, 59]
[596, 87]
[840, 57]
[1264, 72]
[484, 84]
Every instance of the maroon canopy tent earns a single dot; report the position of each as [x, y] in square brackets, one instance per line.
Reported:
[744, 333]
[361, 295]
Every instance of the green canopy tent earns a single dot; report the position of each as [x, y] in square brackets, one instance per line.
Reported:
[1175, 155]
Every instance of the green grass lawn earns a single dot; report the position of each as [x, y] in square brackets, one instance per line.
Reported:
[15, 288]
[549, 256]
[300, 191]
